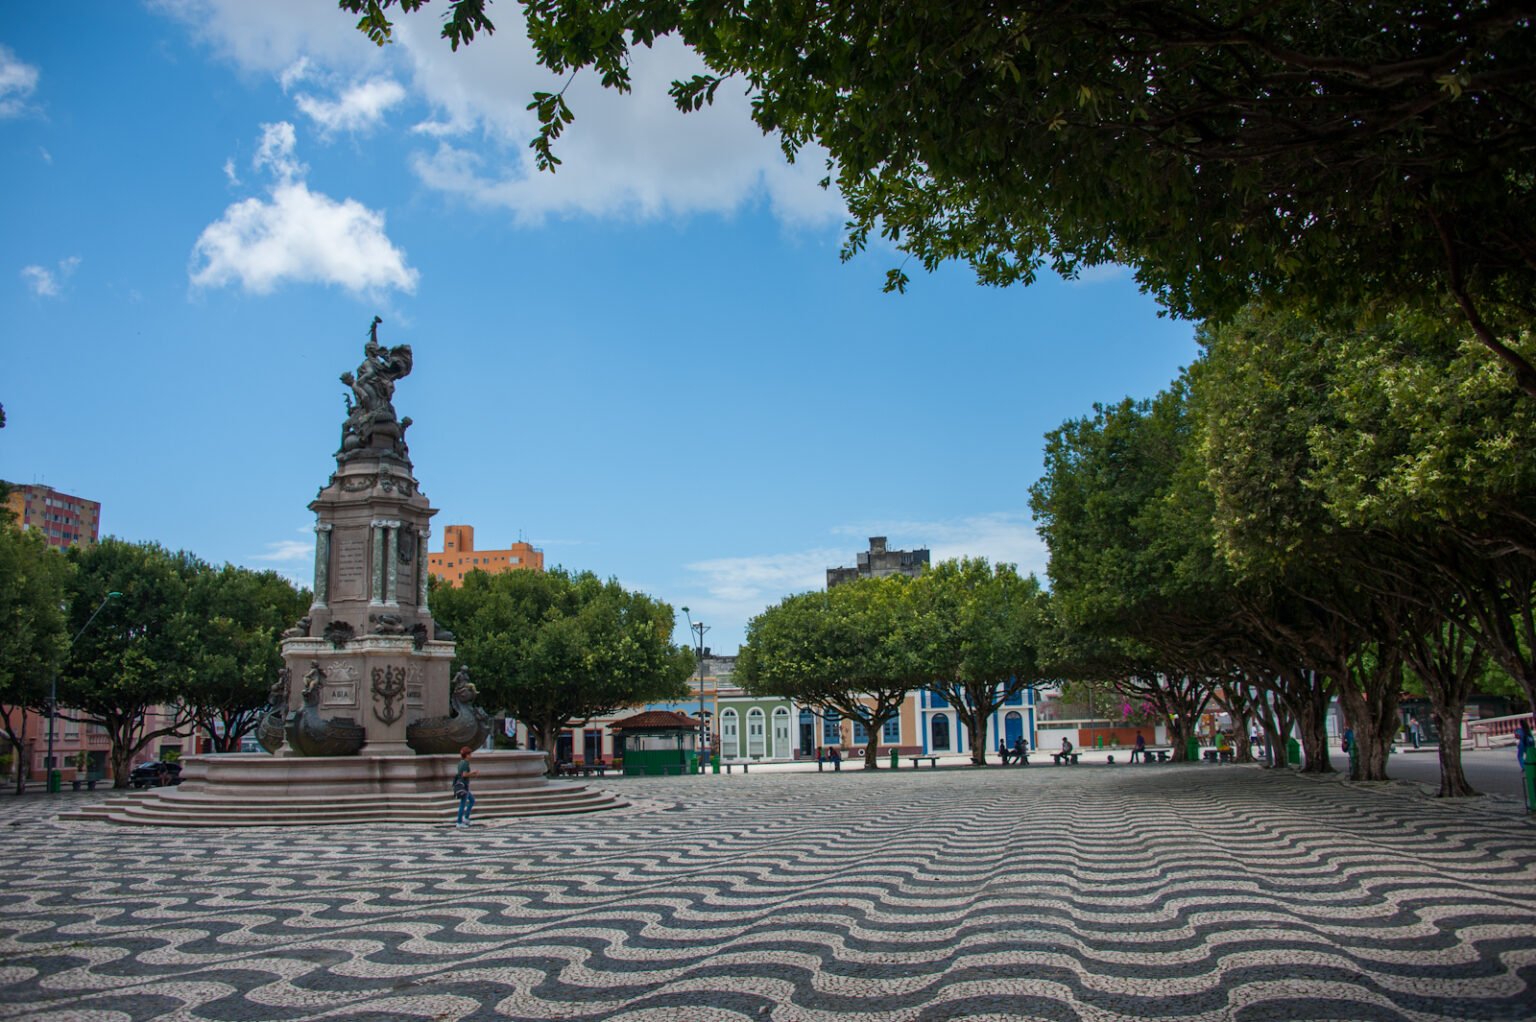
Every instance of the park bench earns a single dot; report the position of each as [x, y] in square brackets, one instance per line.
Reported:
[581, 769]
[1150, 755]
[933, 761]
[1218, 756]
[740, 763]
[1070, 757]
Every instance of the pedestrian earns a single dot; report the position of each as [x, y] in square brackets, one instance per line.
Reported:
[461, 779]
[1021, 751]
[1140, 752]
[1525, 744]
[1002, 750]
[837, 759]
[1349, 738]
[1414, 732]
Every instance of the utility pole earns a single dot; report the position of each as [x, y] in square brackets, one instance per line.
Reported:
[698, 628]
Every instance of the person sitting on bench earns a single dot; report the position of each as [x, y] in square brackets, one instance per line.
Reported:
[1140, 752]
[1002, 751]
[1065, 755]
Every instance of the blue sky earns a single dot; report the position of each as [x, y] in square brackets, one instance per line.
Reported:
[652, 364]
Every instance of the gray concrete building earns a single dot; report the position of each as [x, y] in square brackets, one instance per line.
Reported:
[878, 562]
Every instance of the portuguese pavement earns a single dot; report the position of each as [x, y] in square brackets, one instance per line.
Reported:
[1088, 893]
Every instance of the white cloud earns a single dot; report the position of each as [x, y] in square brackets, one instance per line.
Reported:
[17, 83]
[40, 281]
[287, 550]
[297, 235]
[294, 73]
[229, 171]
[273, 35]
[45, 283]
[764, 579]
[626, 156]
[275, 153]
[358, 109]
[46, 156]
[631, 157]
[1000, 537]
[1102, 273]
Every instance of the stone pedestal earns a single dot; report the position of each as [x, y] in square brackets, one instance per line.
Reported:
[382, 682]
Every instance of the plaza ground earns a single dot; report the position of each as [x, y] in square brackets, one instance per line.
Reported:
[1093, 893]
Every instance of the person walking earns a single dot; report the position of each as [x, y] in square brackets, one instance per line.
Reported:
[1525, 744]
[1021, 751]
[461, 779]
[1415, 733]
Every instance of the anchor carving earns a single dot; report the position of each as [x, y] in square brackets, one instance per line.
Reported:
[389, 687]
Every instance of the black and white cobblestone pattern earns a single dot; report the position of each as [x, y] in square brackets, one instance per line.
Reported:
[1090, 894]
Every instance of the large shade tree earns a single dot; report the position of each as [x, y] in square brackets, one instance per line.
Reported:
[32, 633]
[1328, 152]
[141, 650]
[985, 636]
[855, 650]
[1380, 468]
[556, 648]
[238, 616]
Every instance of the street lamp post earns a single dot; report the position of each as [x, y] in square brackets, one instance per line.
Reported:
[53, 693]
[698, 628]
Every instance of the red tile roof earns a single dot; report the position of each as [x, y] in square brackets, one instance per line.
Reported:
[657, 720]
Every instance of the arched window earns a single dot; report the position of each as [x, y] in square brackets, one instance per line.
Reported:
[780, 733]
[730, 740]
[941, 733]
[756, 731]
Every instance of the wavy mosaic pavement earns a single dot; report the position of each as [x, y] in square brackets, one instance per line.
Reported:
[1185, 893]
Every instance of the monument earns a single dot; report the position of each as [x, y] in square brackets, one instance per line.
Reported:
[371, 730]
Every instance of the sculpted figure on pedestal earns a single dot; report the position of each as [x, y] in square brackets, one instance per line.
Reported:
[371, 416]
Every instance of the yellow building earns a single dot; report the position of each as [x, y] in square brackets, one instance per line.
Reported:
[62, 518]
[459, 556]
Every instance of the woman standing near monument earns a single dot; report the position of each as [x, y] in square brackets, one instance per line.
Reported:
[461, 787]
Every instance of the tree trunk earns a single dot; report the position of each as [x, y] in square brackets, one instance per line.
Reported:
[1453, 782]
[1313, 728]
[977, 726]
[1179, 732]
[872, 750]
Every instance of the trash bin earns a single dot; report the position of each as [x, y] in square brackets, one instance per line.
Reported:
[714, 763]
[1192, 750]
[1293, 752]
[1530, 782]
[1098, 743]
[895, 757]
[55, 781]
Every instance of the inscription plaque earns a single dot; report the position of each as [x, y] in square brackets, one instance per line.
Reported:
[351, 567]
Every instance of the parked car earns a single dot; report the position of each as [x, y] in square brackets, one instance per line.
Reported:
[155, 775]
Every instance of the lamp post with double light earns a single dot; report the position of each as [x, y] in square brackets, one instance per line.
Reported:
[698, 628]
[54, 773]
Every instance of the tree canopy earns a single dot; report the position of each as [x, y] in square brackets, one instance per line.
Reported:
[33, 637]
[239, 616]
[554, 647]
[986, 636]
[1331, 153]
[140, 651]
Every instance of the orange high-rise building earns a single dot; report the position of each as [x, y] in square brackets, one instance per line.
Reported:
[459, 556]
[62, 518]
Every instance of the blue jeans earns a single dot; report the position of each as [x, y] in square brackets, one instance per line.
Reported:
[466, 804]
